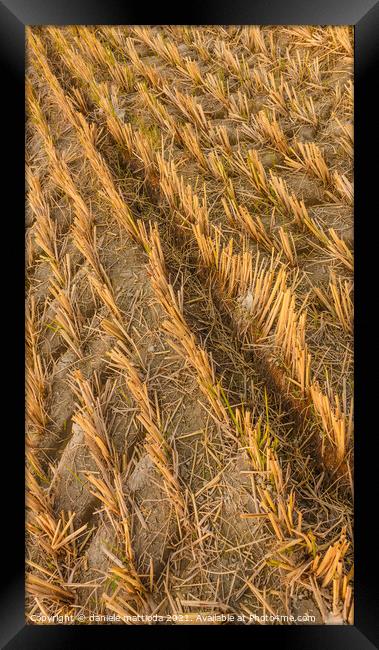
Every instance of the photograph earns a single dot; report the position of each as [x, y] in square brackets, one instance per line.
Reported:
[189, 325]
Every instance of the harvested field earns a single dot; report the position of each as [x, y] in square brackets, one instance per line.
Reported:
[189, 325]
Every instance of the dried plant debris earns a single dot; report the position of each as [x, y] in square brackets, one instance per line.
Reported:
[189, 325]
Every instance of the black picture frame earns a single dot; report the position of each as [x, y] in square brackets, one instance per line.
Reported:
[14, 16]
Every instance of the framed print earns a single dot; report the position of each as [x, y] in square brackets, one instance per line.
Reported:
[193, 294]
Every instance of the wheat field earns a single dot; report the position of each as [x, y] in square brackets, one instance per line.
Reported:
[189, 325]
